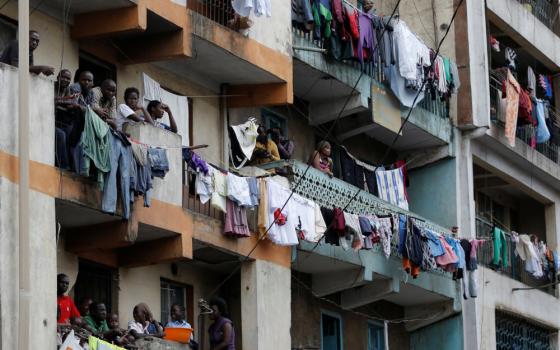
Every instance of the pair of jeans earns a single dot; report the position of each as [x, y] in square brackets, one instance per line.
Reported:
[120, 158]
[62, 147]
[159, 162]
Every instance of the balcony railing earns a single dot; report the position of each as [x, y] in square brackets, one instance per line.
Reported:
[515, 266]
[524, 133]
[191, 200]
[546, 11]
[432, 104]
[219, 11]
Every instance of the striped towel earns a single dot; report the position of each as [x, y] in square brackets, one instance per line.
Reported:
[390, 185]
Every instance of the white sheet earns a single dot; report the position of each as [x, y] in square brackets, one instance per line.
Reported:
[178, 104]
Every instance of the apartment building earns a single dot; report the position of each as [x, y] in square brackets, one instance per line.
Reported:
[309, 296]
[507, 182]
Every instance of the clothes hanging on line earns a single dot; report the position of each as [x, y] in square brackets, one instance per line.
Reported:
[390, 185]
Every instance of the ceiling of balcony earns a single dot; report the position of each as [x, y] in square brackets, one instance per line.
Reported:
[55, 7]
[314, 85]
[211, 66]
[72, 215]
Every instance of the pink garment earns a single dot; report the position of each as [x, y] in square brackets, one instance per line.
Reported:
[475, 244]
[512, 90]
[449, 257]
[236, 220]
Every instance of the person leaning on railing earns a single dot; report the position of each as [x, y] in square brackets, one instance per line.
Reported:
[10, 55]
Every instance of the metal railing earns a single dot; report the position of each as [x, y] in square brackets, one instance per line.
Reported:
[514, 267]
[546, 11]
[525, 133]
[192, 202]
[513, 332]
[432, 104]
[219, 11]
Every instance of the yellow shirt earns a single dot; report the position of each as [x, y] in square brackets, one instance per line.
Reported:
[271, 148]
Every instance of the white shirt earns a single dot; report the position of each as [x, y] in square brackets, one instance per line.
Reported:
[218, 197]
[204, 186]
[244, 7]
[410, 50]
[123, 112]
[137, 326]
[297, 208]
[238, 190]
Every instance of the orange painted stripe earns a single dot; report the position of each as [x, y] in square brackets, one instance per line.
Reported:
[53, 182]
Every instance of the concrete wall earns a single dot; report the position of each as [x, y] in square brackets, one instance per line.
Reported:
[53, 39]
[142, 284]
[276, 31]
[265, 305]
[446, 334]
[523, 26]
[497, 294]
[306, 322]
[205, 117]
[165, 189]
[42, 245]
[432, 192]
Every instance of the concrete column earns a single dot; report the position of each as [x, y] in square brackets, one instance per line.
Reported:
[552, 224]
[265, 306]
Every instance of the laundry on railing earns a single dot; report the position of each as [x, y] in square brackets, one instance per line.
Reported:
[388, 47]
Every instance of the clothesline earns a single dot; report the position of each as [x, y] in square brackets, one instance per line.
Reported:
[396, 17]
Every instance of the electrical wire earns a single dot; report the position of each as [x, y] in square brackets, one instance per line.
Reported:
[422, 22]
[4, 4]
[398, 134]
[330, 130]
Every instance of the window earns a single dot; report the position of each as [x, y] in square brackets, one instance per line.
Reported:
[98, 282]
[513, 332]
[8, 32]
[100, 69]
[176, 293]
[331, 332]
[376, 339]
[273, 120]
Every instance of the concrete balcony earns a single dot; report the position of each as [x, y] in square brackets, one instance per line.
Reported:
[367, 276]
[531, 23]
[194, 40]
[545, 157]
[372, 109]
[515, 266]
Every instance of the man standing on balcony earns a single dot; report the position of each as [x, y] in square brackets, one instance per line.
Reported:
[10, 55]
[105, 103]
[68, 312]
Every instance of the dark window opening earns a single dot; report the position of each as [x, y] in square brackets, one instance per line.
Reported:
[100, 69]
[98, 282]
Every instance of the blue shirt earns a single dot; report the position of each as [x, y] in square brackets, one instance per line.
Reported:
[435, 244]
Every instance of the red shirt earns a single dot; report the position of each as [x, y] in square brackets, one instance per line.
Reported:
[67, 309]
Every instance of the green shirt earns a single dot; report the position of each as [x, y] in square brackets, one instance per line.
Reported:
[99, 328]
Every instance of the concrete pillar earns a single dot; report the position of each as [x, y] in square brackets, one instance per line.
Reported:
[265, 306]
[552, 224]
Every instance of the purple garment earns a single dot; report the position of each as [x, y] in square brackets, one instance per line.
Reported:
[367, 38]
[194, 161]
[217, 335]
[236, 220]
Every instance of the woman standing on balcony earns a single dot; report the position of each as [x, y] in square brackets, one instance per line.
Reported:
[321, 158]
[222, 334]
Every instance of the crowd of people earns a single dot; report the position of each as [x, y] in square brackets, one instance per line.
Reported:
[93, 318]
[73, 99]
